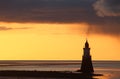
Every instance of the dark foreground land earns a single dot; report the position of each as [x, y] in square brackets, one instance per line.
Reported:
[49, 74]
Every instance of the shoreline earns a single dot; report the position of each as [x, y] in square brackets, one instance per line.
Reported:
[48, 74]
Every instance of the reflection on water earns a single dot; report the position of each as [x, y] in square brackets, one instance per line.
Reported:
[109, 75]
[105, 76]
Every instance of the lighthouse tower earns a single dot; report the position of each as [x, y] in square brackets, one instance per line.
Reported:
[86, 66]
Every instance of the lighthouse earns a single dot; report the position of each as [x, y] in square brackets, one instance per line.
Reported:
[86, 66]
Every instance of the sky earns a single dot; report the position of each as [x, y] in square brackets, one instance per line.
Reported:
[58, 29]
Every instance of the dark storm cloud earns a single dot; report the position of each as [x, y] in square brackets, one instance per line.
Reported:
[65, 11]
[44, 10]
[109, 10]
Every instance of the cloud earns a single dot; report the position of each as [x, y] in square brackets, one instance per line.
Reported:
[65, 11]
[107, 7]
[4, 28]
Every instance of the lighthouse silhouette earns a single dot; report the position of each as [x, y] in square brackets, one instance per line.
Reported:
[86, 66]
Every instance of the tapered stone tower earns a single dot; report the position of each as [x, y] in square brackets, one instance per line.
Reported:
[86, 66]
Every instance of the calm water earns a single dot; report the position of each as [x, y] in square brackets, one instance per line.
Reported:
[110, 69]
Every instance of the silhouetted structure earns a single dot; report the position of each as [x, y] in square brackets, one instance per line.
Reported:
[86, 66]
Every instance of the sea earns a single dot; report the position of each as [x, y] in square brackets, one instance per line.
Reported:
[109, 69]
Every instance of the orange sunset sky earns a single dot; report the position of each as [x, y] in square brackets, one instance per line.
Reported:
[57, 30]
[54, 41]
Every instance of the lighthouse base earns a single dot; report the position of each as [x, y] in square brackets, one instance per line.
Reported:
[86, 66]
